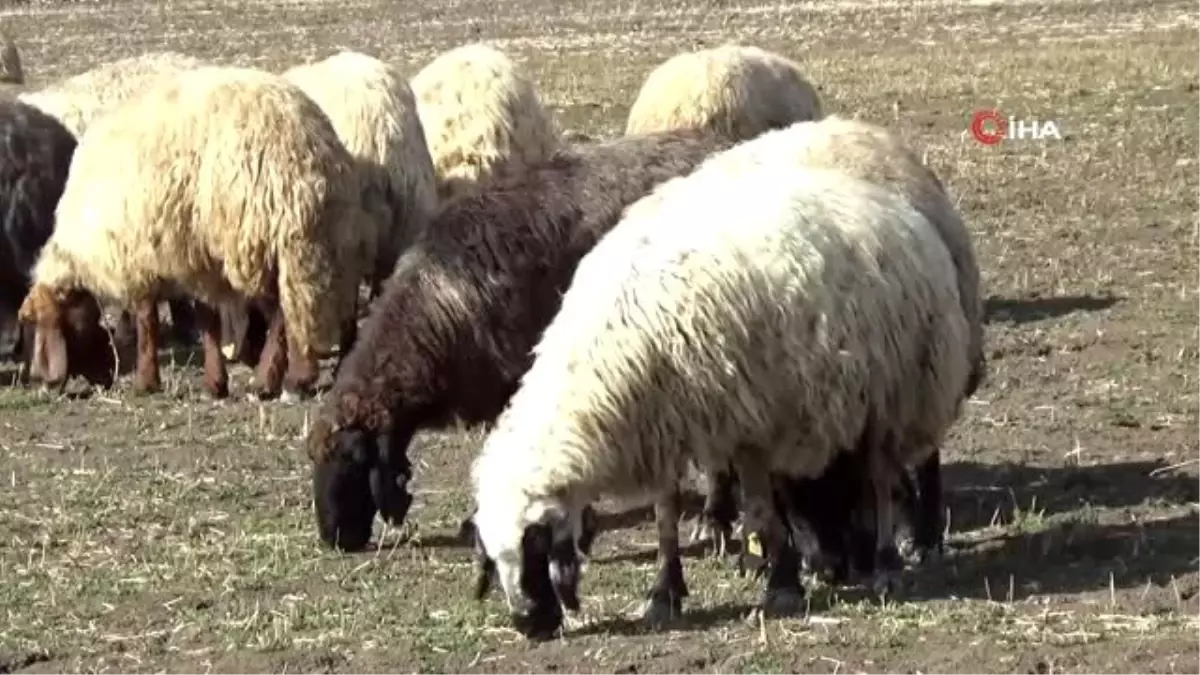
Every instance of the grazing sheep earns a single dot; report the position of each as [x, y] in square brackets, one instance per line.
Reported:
[732, 90]
[79, 100]
[766, 318]
[222, 183]
[375, 115]
[451, 334]
[872, 153]
[35, 156]
[480, 113]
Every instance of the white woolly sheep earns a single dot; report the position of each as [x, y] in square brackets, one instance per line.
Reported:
[374, 113]
[872, 153]
[222, 183]
[765, 319]
[480, 114]
[733, 90]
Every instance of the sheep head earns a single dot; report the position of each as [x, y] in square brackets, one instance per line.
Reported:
[539, 576]
[68, 337]
[357, 472]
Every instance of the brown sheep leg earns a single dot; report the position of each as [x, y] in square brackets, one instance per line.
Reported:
[767, 536]
[274, 359]
[303, 368]
[216, 377]
[669, 590]
[146, 380]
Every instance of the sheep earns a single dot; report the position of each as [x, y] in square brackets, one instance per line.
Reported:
[733, 90]
[375, 114]
[870, 152]
[223, 183]
[481, 114]
[35, 156]
[766, 318]
[452, 331]
[79, 100]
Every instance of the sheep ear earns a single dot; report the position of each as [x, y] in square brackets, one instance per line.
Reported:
[564, 564]
[487, 567]
[589, 526]
[49, 354]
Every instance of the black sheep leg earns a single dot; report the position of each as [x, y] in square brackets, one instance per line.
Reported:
[927, 525]
[767, 541]
[669, 590]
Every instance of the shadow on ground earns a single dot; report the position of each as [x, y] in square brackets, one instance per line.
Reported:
[1025, 310]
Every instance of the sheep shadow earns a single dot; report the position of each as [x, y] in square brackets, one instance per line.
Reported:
[1067, 556]
[979, 494]
[1026, 310]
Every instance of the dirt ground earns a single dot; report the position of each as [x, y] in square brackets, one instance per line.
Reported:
[171, 533]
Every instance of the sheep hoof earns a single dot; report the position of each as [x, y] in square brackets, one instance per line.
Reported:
[778, 602]
[219, 391]
[660, 611]
[146, 388]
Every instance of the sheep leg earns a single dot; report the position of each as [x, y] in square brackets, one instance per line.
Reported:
[720, 510]
[303, 369]
[216, 377]
[768, 538]
[669, 590]
[184, 320]
[274, 358]
[881, 475]
[927, 525]
[146, 379]
[348, 338]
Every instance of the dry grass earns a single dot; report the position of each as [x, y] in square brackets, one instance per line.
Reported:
[173, 533]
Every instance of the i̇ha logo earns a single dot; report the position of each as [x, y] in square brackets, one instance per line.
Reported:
[992, 126]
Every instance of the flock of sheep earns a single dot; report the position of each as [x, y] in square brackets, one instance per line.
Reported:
[742, 285]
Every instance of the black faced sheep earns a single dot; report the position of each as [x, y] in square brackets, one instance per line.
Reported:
[732, 90]
[222, 183]
[766, 318]
[451, 334]
[480, 113]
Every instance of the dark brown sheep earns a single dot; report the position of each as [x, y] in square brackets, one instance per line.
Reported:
[451, 335]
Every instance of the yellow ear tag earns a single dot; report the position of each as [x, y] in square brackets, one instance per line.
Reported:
[754, 545]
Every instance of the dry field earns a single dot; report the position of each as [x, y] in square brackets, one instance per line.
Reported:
[174, 533]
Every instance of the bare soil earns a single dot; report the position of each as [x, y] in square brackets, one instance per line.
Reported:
[172, 533]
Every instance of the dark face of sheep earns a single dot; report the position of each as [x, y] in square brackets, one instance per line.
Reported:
[539, 577]
[355, 474]
[68, 338]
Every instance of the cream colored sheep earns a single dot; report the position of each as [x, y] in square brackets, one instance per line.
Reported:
[734, 90]
[375, 115]
[223, 183]
[480, 112]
